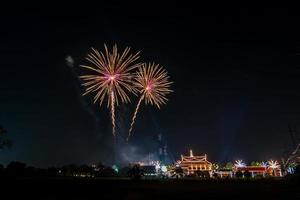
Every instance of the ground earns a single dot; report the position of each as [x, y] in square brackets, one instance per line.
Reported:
[69, 188]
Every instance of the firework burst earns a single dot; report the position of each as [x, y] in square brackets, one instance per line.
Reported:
[111, 77]
[153, 84]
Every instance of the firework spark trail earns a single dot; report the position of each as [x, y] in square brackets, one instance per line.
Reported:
[134, 116]
[112, 106]
[152, 82]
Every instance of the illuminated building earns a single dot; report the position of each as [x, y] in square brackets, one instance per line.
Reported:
[260, 170]
[191, 164]
[225, 173]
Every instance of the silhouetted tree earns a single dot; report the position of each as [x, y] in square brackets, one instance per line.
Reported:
[229, 165]
[215, 175]
[177, 172]
[52, 172]
[297, 171]
[202, 174]
[199, 174]
[124, 171]
[86, 170]
[30, 171]
[239, 174]
[108, 172]
[1, 169]
[15, 168]
[70, 170]
[247, 174]
[135, 172]
[255, 163]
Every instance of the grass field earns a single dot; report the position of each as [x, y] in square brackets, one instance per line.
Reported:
[69, 188]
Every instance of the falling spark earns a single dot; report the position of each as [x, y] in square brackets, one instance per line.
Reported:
[152, 82]
[111, 77]
[134, 115]
[113, 114]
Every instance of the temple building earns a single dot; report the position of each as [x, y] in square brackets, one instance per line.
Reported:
[191, 164]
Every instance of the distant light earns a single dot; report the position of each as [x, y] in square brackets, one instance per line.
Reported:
[164, 168]
[191, 153]
[157, 165]
[273, 164]
[239, 163]
[264, 164]
[70, 61]
[115, 168]
[291, 170]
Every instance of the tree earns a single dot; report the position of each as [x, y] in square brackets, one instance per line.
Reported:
[136, 172]
[239, 174]
[229, 165]
[70, 170]
[1, 169]
[215, 166]
[177, 172]
[215, 175]
[297, 170]
[255, 163]
[247, 174]
[52, 171]
[15, 168]
[4, 142]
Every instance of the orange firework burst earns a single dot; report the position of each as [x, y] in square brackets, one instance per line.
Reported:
[111, 77]
[152, 81]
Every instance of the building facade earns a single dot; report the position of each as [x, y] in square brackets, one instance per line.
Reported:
[259, 171]
[192, 164]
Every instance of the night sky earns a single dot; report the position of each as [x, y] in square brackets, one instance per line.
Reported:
[235, 71]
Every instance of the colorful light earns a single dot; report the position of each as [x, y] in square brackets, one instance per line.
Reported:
[273, 164]
[239, 163]
[111, 78]
[115, 167]
[152, 82]
[264, 164]
[164, 169]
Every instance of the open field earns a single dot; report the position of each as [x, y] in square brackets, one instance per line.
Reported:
[68, 188]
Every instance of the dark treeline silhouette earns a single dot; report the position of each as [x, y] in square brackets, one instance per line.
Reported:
[19, 169]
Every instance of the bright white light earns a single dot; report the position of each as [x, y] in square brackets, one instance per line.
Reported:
[191, 153]
[115, 168]
[264, 164]
[164, 168]
[239, 163]
[273, 164]
[157, 167]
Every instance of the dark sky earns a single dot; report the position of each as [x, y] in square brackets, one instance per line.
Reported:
[235, 71]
